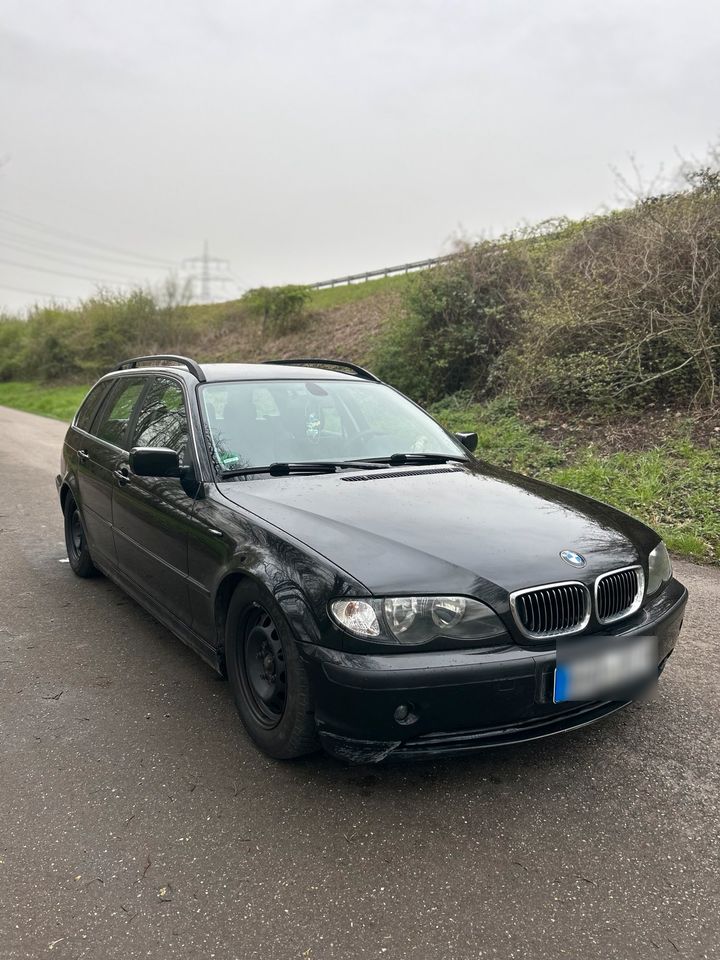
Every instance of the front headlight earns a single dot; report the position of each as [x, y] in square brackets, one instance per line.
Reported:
[659, 569]
[414, 620]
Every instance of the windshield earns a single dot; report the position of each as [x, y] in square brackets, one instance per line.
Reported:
[259, 422]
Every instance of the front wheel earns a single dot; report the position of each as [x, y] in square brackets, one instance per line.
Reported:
[76, 542]
[268, 679]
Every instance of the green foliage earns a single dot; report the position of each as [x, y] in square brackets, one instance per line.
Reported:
[611, 312]
[282, 309]
[12, 340]
[79, 343]
[459, 319]
[629, 309]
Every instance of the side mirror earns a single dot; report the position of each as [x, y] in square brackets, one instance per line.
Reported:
[468, 440]
[154, 462]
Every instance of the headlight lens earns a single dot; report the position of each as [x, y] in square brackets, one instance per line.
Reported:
[400, 613]
[416, 620]
[659, 569]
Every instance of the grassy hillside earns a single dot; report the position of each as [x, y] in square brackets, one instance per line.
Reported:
[611, 313]
[586, 352]
[341, 322]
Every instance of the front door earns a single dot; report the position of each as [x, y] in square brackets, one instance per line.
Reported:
[152, 515]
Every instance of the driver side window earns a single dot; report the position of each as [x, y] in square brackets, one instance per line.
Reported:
[162, 420]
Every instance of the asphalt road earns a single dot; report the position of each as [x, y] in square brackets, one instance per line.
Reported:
[136, 819]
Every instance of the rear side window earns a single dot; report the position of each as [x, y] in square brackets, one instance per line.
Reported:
[90, 406]
[118, 410]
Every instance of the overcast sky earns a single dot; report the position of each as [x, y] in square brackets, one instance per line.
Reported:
[311, 138]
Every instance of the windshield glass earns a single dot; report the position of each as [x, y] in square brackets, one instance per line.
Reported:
[259, 422]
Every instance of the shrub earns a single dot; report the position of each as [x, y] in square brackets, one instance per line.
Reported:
[79, 343]
[12, 342]
[458, 320]
[607, 313]
[631, 308]
[281, 309]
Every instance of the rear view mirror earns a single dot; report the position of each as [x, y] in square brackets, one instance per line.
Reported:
[468, 440]
[154, 462]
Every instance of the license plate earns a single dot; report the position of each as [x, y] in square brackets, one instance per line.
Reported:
[604, 668]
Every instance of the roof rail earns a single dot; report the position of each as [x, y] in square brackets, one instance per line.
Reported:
[320, 361]
[192, 366]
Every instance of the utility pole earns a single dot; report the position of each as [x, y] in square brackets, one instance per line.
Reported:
[205, 277]
[210, 278]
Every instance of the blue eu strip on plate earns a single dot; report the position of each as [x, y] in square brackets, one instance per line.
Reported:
[562, 684]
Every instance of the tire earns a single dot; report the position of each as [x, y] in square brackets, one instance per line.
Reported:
[76, 542]
[268, 679]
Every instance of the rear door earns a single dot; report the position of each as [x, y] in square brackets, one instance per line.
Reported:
[152, 515]
[100, 452]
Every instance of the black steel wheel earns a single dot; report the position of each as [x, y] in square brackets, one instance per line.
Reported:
[263, 666]
[268, 679]
[76, 542]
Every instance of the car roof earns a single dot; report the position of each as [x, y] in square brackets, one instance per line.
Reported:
[220, 372]
[268, 371]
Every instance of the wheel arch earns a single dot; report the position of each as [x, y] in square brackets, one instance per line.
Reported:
[288, 595]
[223, 596]
[68, 488]
[65, 492]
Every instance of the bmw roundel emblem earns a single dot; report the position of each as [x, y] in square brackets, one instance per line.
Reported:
[574, 559]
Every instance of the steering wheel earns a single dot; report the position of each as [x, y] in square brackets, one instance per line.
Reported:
[369, 433]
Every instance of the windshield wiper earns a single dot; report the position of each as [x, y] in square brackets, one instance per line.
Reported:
[309, 466]
[398, 459]
[332, 466]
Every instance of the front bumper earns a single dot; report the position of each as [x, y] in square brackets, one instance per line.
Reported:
[461, 700]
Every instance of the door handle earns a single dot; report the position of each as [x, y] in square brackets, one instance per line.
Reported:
[83, 454]
[122, 476]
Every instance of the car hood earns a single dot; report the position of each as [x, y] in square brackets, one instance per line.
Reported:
[475, 530]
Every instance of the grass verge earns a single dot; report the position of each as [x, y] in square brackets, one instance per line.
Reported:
[60, 402]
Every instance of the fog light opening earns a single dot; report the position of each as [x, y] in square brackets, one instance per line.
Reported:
[405, 714]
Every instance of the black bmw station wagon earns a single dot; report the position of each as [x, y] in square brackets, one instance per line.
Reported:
[363, 580]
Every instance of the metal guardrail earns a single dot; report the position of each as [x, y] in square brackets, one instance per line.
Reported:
[384, 272]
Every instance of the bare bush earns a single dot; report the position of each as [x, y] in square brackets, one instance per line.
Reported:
[632, 304]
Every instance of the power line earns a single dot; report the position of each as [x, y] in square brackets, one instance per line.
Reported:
[58, 273]
[78, 238]
[42, 246]
[38, 293]
[49, 256]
